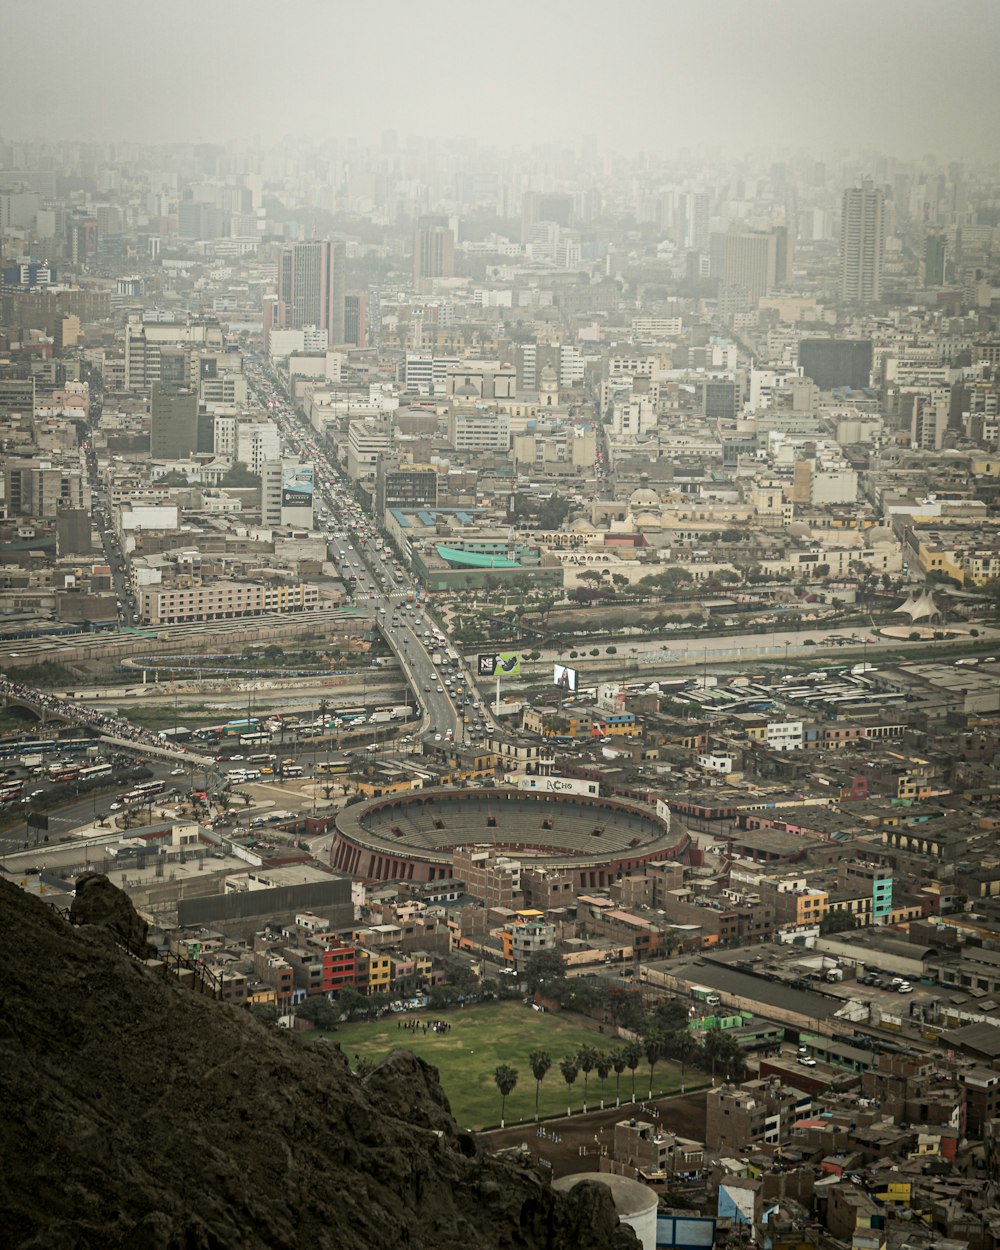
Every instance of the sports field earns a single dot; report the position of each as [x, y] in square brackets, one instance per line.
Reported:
[483, 1036]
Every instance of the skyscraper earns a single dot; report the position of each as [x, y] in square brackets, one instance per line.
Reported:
[433, 251]
[173, 428]
[862, 244]
[934, 256]
[312, 287]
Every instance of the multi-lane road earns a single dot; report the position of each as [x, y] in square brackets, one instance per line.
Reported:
[382, 586]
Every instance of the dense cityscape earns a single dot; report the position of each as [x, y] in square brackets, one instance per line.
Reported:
[530, 609]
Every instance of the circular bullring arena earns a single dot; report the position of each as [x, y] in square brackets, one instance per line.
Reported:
[415, 836]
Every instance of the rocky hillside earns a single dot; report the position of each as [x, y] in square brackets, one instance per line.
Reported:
[137, 1114]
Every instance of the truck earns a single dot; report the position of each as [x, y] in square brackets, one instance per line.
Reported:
[704, 994]
[436, 659]
[32, 761]
[380, 718]
[402, 711]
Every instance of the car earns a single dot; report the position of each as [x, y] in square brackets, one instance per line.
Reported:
[115, 807]
[806, 1061]
[178, 771]
[237, 757]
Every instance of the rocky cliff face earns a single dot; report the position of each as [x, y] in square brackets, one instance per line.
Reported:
[139, 1115]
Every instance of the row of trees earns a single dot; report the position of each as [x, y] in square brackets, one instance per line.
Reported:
[717, 1051]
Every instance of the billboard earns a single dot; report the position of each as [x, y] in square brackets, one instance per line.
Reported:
[565, 678]
[297, 487]
[500, 664]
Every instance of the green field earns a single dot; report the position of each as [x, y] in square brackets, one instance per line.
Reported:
[484, 1036]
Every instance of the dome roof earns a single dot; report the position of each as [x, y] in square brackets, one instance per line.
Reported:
[644, 497]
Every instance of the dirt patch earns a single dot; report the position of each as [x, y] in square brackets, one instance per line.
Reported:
[581, 1138]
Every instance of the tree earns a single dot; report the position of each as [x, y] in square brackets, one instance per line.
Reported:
[653, 1046]
[714, 1047]
[569, 1071]
[837, 922]
[586, 1058]
[363, 1066]
[603, 1066]
[670, 1016]
[618, 1063]
[540, 1061]
[544, 969]
[683, 1047]
[505, 1078]
[266, 1013]
[239, 475]
[320, 1011]
[350, 1001]
[633, 1057]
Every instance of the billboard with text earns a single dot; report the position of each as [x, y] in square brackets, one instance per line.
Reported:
[500, 664]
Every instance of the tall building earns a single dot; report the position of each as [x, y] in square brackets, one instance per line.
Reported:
[752, 262]
[173, 431]
[934, 254]
[433, 251]
[862, 244]
[356, 320]
[312, 287]
[287, 493]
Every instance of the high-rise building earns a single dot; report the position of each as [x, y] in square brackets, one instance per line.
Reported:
[433, 251]
[356, 320]
[862, 244]
[173, 431]
[934, 254]
[747, 261]
[312, 287]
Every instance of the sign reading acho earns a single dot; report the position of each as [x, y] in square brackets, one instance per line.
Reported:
[502, 663]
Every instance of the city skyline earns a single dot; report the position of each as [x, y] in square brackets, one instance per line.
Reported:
[908, 78]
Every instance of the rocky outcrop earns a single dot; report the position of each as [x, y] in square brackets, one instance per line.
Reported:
[138, 1116]
[98, 903]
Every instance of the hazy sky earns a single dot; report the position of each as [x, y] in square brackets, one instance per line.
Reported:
[903, 76]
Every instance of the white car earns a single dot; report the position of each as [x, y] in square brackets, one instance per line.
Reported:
[177, 772]
[807, 1062]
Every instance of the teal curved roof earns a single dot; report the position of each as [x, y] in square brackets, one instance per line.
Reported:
[475, 559]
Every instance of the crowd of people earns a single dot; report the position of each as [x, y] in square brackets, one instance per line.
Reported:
[83, 715]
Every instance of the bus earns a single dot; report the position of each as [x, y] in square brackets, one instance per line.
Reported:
[334, 766]
[95, 772]
[236, 728]
[64, 772]
[255, 739]
[349, 713]
[261, 759]
[29, 746]
[75, 744]
[11, 791]
[290, 769]
[145, 792]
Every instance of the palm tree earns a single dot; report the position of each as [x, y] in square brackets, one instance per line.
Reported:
[618, 1063]
[569, 1070]
[505, 1078]
[684, 1048]
[586, 1058]
[714, 1047]
[603, 1066]
[633, 1057]
[540, 1061]
[653, 1045]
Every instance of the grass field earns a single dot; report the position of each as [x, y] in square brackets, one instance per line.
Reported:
[484, 1036]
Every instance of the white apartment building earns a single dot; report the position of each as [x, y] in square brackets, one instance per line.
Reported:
[366, 441]
[257, 442]
[427, 375]
[479, 431]
[785, 735]
[631, 420]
